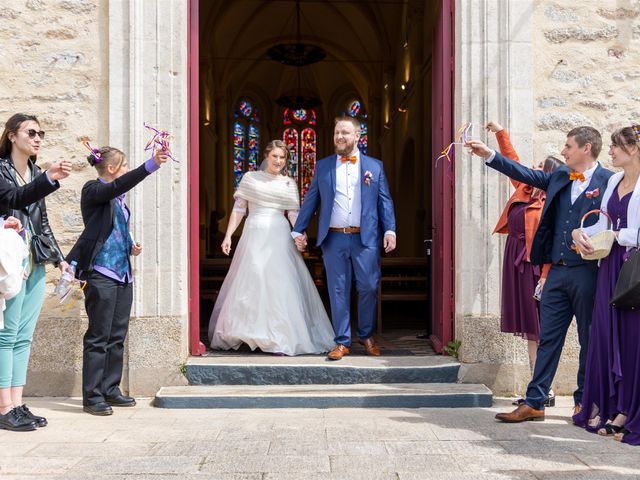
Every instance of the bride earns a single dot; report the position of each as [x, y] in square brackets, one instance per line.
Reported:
[268, 299]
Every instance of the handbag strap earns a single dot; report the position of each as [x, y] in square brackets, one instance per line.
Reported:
[33, 230]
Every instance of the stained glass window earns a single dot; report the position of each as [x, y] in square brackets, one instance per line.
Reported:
[357, 111]
[246, 139]
[245, 108]
[254, 146]
[238, 151]
[308, 150]
[287, 117]
[290, 138]
[354, 108]
[300, 115]
[300, 136]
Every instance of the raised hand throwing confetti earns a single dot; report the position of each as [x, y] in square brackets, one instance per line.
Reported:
[159, 141]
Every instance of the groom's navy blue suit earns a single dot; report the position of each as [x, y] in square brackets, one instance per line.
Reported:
[570, 286]
[348, 255]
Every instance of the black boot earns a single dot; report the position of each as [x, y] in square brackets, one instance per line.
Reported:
[40, 421]
[16, 421]
[121, 401]
[101, 409]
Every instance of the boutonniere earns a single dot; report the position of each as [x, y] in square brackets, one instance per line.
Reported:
[592, 193]
[367, 177]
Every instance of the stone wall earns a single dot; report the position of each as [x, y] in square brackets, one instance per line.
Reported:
[53, 68]
[100, 68]
[587, 72]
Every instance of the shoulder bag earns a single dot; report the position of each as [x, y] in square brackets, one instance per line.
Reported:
[627, 293]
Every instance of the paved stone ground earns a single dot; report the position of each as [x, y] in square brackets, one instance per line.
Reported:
[368, 444]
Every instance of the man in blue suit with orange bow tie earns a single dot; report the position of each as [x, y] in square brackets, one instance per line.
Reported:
[572, 191]
[352, 193]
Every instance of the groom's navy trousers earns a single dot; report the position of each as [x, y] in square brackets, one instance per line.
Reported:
[345, 257]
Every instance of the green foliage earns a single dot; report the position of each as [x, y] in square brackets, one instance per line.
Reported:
[452, 348]
[183, 369]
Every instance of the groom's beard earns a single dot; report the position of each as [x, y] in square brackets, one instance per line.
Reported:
[345, 148]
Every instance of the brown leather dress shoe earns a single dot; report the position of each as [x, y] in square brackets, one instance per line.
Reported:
[338, 352]
[371, 347]
[523, 413]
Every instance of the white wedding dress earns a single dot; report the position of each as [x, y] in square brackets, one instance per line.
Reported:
[268, 299]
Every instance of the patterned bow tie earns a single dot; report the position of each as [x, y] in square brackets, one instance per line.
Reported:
[352, 158]
[576, 176]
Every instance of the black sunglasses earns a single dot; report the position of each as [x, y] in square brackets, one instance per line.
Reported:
[32, 133]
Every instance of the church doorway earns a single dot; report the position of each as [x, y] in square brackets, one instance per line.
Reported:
[386, 63]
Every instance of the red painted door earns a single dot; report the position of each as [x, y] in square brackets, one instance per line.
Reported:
[442, 284]
[195, 345]
[443, 198]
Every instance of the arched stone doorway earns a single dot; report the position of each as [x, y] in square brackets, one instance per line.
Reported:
[379, 53]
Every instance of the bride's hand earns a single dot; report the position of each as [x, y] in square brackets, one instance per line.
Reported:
[301, 242]
[226, 246]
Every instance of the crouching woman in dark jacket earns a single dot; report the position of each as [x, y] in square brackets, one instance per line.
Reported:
[22, 190]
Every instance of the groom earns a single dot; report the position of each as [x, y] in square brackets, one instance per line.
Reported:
[352, 193]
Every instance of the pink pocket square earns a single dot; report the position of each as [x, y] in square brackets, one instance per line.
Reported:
[592, 193]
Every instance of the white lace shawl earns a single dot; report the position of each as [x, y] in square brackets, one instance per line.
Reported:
[266, 190]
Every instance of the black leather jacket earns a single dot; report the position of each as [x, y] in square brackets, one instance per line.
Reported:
[36, 212]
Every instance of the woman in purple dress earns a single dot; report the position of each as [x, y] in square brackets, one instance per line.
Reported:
[610, 406]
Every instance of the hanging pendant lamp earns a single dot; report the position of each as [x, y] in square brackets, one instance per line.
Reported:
[297, 55]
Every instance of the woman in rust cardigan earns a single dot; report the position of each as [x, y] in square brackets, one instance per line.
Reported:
[520, 279]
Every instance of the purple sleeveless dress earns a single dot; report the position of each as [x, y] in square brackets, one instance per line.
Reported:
[519, 280]
[613, 357]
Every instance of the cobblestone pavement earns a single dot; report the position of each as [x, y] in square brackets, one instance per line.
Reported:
[150, 443]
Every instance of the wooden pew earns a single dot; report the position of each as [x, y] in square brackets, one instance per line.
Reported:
[403, 279]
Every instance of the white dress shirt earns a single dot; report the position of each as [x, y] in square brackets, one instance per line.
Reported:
[346, 204]
[578, 187]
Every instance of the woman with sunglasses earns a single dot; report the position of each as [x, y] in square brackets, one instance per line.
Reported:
[22, 192]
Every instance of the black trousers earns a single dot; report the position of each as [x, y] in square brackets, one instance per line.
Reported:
[108, 305]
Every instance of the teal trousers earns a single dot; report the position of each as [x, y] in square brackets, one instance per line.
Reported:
[20, 320]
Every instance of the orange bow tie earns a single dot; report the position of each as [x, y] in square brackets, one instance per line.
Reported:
[576, 176]
[352, 158]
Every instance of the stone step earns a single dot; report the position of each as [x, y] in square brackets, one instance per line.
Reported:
[271, 370]
[404, 395]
